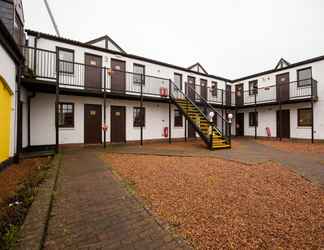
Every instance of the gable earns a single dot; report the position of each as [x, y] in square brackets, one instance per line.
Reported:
[198, 68]
[107, 43]
[282, 64]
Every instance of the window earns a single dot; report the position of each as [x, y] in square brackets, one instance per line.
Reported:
[139, 117]
[214, 89]
[139, 72]
[66, 115]
[304, 77]
[253, 87]
[66, 57]
[177, 118]
[304, 117]
[178, 80]
[253, 119]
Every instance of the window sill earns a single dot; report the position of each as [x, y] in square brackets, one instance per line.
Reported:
[304, 127]
[67, 128]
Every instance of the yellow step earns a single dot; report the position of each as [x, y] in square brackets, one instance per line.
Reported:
[221, 146]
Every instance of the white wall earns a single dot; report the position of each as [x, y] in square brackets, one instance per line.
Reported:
[43, 119]
[267, 118]
[150, 68]
[8, 72]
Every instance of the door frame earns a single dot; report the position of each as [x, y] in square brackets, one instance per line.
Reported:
[111, 132]
[236, 122]
[278, 121]
[203, 88]
[193, 87]
[228, 95]
[242, 96]
[124, 89]
[84, 119]
[85, 69]
[279, 87]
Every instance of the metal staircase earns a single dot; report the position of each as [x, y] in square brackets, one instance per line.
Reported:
[194, 108]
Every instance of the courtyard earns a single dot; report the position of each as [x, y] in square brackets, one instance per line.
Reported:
[182, 196]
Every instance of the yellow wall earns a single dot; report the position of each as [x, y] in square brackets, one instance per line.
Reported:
[5, 112]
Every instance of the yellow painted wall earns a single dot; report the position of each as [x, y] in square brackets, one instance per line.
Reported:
[5, 112]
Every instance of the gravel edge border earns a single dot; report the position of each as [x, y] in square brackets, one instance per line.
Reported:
[33, 232]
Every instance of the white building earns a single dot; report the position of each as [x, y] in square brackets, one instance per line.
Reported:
[105, 95]
[99, 72]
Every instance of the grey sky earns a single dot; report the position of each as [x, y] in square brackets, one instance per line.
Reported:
[230, 38]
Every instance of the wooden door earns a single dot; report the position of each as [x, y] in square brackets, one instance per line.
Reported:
[118, 77]
[93, 72]
[282, 82]
[191, 130]
[240, 124]
[191, 88]
[203, 88]
[239, 95]
[283, 123]
[92, 123]
[118, 124]
[228, 95]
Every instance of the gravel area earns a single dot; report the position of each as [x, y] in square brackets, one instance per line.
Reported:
[14, 175]
[294, 147]
[218, 204]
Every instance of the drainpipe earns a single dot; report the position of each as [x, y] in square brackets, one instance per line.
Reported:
[18, 113]
[28, 115]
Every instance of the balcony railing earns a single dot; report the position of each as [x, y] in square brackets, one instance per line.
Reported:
[41, 65]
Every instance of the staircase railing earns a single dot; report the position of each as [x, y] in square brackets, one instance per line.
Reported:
[221, 125]
[176, 93]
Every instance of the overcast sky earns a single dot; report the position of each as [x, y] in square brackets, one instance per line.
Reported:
[230, 38]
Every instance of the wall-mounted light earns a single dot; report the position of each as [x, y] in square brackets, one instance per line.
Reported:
[230, 117]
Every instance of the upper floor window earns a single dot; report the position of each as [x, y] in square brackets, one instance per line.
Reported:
[139, 72]
[253, 119]
[66, 57]
[66, 115]
[177, 118]
[253, 87]
[178, 80]
[139, 117]
[214, 89]
[304, 117]
[304, 77]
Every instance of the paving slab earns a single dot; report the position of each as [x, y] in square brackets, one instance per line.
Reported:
[92, 210]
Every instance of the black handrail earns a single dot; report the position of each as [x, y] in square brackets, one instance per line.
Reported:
[209, 122]
[205, 102]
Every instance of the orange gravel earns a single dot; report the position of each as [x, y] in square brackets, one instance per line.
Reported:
[289, 146]
[218, 204]
[11, 177]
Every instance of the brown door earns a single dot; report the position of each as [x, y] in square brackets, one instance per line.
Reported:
[240, 124]
[282, 81]
[191, 131]
[92, 123]
[283, 123]
[118, 124]
[92, 73]
[191, 87]
[228, 95]
[118, 77]
[203, 88]
[239, 94]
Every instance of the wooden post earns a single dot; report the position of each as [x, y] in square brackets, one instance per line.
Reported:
[170, 111]
[57, 99]
[280, 108]
[312, 106]
[255, 113]
[141, 109]
[105, 104]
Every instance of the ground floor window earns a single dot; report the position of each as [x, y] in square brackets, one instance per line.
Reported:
[177, 118]
[139, 117]
[253, 119]
[304, 117]
[66, 115]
